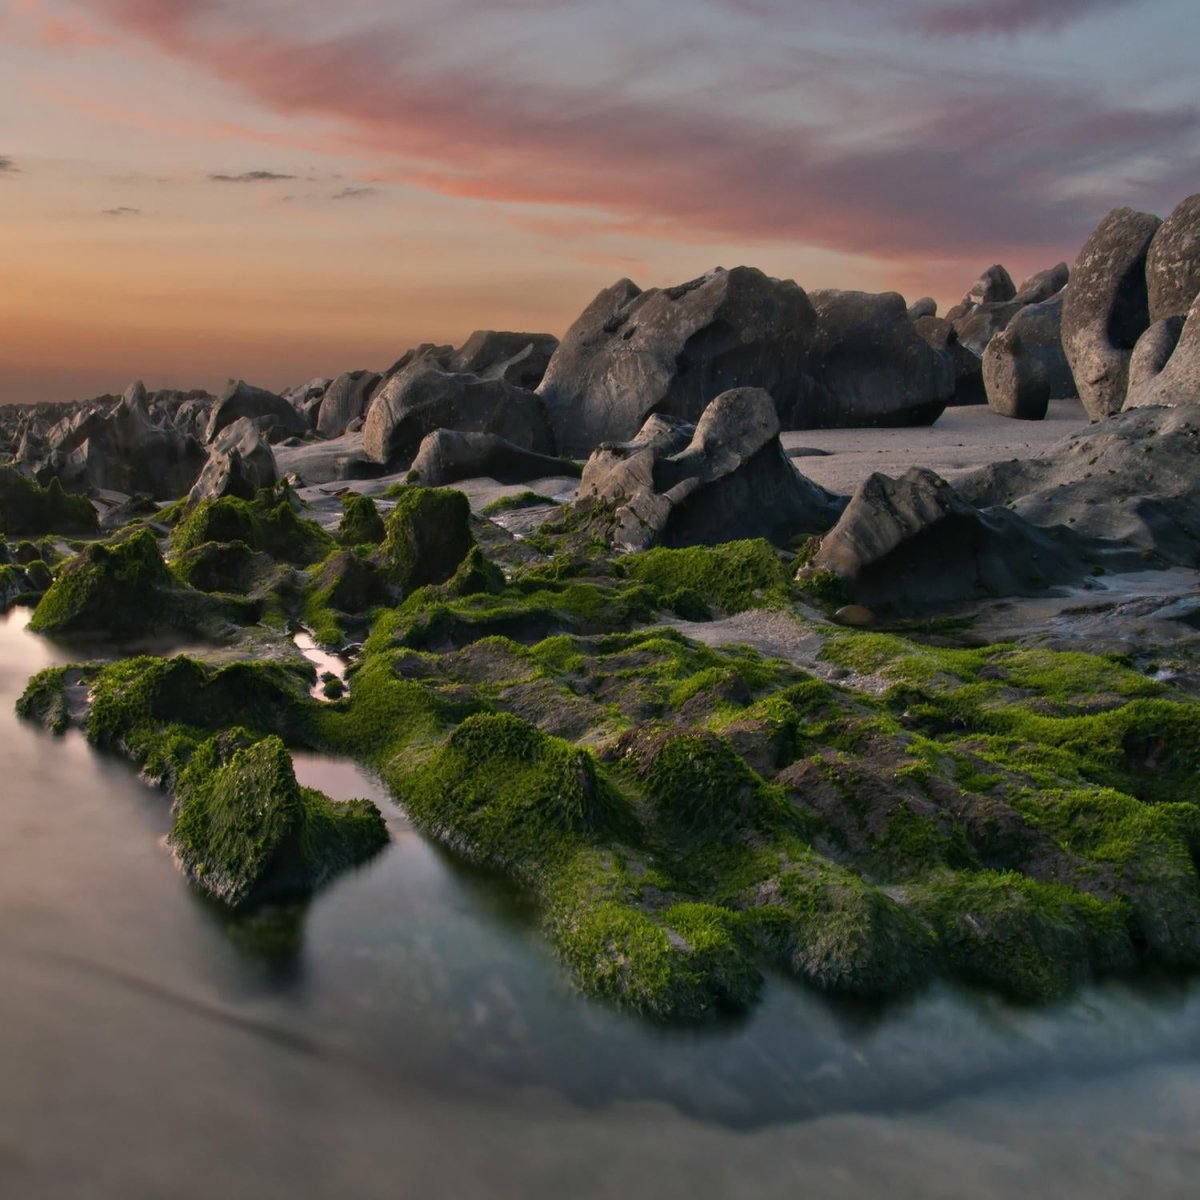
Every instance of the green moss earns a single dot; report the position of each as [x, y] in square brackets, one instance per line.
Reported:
[503, 504]
[45, 701]
[729, 578]
[248, 833]
[361, 523]
[27, 510]
[428, 536]
[268, 524]
[824, 589]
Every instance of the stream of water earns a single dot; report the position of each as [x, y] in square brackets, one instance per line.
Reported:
[409, 1034]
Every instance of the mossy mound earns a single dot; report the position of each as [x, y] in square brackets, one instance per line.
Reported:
[121, 588]
[361, 524]
[222, 567]
[27, 510]
[428, 536]
[268, 524]
[248, 833]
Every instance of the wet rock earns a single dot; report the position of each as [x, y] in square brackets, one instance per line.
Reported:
[1106, 309]
[673, 350]
[1173, 262]
[239, 463]
[1178, 379]
[345, 402]
[446, 456]
[1024, 367]
[725, 478]
[857, 616]
[871, 365]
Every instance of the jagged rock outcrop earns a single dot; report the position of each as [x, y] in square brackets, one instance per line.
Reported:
[420, 399]
[673, 350]
[239, 463]
[1164, 374]
[871, 366]
[519, 359]
[1106, 310]
[914, 542]
[727, 477]
[1173, 262]
[273, 414]
[1134, 478]
[1043, 285]
[1024, 367]
[345, 400]
[994, 286]
[446, 456]
[967, 365]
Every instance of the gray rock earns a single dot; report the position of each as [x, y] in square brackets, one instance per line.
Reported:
[272, 412]
[925, 307]
[520, 359]
[913, 543]
[726, 477]
[1043, 285]
[671, 351]
[446, 456]
[420, 399]
[871, 366]
[1024, 366]
[1173, 263]
[968, 368]
[239, 463]
[979, 324]
[1105, 308]
[1152, 352]
[345, 400]
[1178, 380]
[994, 286]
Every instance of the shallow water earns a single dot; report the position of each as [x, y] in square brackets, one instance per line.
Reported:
[410, 1035]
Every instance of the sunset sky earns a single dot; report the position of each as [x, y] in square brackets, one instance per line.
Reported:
[197, 189]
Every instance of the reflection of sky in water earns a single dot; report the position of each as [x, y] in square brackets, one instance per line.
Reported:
[422, 1035]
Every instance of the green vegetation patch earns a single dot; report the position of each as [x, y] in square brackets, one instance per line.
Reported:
[268, 524]
[28, 510]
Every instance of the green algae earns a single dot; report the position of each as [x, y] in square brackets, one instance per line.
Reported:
[268, 524]
[29, 510]
[361, 524]
[428, 536]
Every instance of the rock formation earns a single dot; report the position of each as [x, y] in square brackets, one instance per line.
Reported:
[1024, 367]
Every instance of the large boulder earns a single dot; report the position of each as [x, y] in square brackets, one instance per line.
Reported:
[1105, 308]
[1173, 263]
[344, 401]
[1043, 285]
[422, 398]
[673, 350]
[446, 456]
[272, 412]
[1177, 381]
[977, 325]
[994, 286]
[1024, 367]
[871, 366]
[428, 536]
[239, 463]
[926, 306]
[913, 542]
[968, 369]
[517, 358]
[723, 479]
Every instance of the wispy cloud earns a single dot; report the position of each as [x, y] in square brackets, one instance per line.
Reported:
[251, 177]
[7, 166]
[122, 210]
[966, 18]
[355, 193]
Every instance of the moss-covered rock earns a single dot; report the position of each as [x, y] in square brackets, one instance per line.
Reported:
[27, 510]
[248, 833]
[428, 536]
[222, 567]
[361, 524]
[268, 524]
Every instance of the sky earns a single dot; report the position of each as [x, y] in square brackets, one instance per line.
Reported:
[199, 190]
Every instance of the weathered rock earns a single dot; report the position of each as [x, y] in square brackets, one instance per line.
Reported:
[428, 537]
[725, 478]
[913, 542]
[671, 351]
[273, 413]
[926, 306]
[239, 463]
[345, 401]
[1173, 262]
[871, 366]
[421, 399]
[968, 368]
[1178, 379]
[1133, 478]
[131, 509]
[979, 324]
[994, 286]
[519, 359]
[1105, 308]
[1024, 367]
[446, 456]
[1043, 285]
